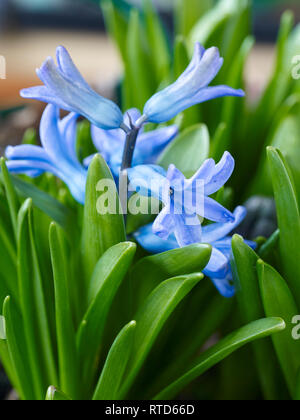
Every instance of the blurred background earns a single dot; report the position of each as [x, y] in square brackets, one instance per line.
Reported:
[30, 30]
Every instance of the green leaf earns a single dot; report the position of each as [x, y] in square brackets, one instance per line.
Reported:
[251, 307]
[47, 204]
[231, 110]
[32, 302]
[66, 341]
[254, 331]
[181, 56]
[278, 299]
[138, 64]
[115, 365]
[211, 26]
[53, 394]
[11, 195]
[116, 25]
[288, 219]
[188, 151]
[149, 272]
[103, 226]
[157, 41]
[188, 12]
[107, 278]
[17, 349]
[151, 318]
[297, 393]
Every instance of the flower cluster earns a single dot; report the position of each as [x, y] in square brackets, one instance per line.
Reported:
[124, 144]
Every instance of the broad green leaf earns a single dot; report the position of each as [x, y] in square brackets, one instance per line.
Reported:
[66, 341]
[115, 365]
[149, 272]
[288, 219]
[195, 330]
[151, 318]
[278, 299]
[53, 394]
[254, 331]
[107, 278]
[188, 151]
[17, 349]
[32, 302]
[11, 195]
[103, 225]
[251, 307]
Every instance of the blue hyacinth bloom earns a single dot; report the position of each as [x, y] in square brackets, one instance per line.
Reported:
[149, 145]
[58, 154]
[191, 88]
[216, 234]
[66, 88]
[184, 199]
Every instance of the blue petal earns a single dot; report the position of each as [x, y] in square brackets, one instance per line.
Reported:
[216, 231]
[152, 243]
[26, 152]
[27, 167]
[218, 266]
[221, 175]
[214, 92]
[68, 68]
[43, 94]
[50, 134]
[68, 131]
[108, 142]
[164, 224]
[225, 286]
[187, 229]
[87, 161]
[175, 178]
[215, 212]
[131, 116]
[150, 145]
[147, 180]
[166, 104]
[75, 96]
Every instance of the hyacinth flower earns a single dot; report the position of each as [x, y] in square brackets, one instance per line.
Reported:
[66, 88]
[190, 89]
[215, 234]
[57, 154]
[184, 199]
[149, 145]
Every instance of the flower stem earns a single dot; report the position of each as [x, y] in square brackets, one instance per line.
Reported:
[130, 144]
